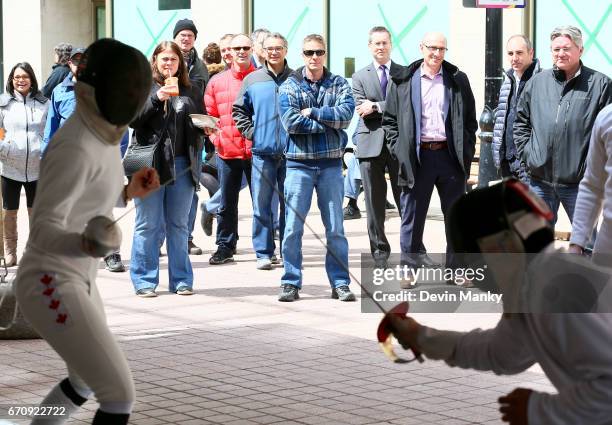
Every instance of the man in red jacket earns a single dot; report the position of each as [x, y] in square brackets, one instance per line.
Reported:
[234, 151]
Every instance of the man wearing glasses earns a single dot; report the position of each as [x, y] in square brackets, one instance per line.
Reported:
[315, 106]
[185, 34]
[256, 115]
[430, 124]
[233, 149]
[554, 121]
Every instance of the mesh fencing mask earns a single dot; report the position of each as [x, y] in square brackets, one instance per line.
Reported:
[121, 76]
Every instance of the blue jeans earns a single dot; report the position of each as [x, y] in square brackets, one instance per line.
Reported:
[267, 174]
[301, 180]
[167, 207]
[192, 214]
[230, 176]
[555, 194]
[352, 179]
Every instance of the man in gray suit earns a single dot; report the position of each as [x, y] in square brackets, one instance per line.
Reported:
[370, 86]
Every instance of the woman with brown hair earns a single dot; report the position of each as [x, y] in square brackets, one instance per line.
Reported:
[212, 59]
[165, 120]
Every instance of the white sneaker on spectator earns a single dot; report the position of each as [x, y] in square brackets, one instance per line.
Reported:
[264, 264]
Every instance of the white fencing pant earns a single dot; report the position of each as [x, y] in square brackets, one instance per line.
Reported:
[68, 313]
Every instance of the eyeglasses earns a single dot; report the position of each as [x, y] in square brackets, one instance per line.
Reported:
[310, 53]
[21, 77]
[239, 48]
[436, 48]
[558, 50]
[274, 49]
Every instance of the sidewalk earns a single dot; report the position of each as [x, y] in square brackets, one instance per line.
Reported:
[232, 354]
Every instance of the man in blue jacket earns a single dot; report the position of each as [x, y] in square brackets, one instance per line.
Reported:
[256, 115]
[315, 106]
[63, 100]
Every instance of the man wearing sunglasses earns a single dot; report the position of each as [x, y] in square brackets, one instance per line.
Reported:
[233, 149]
[315, 106]
[430, 125]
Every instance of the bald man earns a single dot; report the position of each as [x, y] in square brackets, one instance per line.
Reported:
[430, 125]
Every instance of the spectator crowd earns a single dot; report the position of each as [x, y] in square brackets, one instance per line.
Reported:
[281, 131]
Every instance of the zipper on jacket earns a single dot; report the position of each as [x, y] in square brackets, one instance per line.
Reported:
[277, 138]
[27, 139]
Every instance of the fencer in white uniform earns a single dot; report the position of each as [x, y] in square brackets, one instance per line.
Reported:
[556, 312]
[81, 178]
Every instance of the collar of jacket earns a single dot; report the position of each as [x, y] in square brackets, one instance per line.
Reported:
[68, 81]
[560, 74]
[87, 108]
[531, 70]
[5, 98]
[192, 54]
[283, 75]
[403, 73]
[239, 75]
[297, 74]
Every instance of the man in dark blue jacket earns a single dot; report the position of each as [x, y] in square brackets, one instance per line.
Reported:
[519, 51]
[256, 115]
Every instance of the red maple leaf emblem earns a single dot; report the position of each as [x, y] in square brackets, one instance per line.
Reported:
[61, 318]
[46, 279]
[54, 304]
[48, 291]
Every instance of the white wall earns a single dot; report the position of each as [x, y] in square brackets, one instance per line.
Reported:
[21, 30]
[70, 21]
[215, 19]
[33, 27]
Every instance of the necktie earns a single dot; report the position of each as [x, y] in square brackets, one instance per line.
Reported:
[383, 81]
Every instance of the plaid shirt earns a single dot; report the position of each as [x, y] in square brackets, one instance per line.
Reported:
[321, 135]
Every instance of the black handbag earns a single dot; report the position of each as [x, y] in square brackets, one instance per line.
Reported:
[138, 157]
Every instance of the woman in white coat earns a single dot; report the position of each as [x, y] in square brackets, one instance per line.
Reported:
[23, 114]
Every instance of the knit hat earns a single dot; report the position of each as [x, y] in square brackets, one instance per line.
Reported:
[185, 24]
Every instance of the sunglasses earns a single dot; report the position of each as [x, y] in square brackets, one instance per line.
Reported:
[239, 48]
[310, 53]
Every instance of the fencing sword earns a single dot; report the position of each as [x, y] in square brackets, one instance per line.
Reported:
[104, 234]
[384, 332]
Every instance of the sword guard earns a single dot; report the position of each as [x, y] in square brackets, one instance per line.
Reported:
[385, 336]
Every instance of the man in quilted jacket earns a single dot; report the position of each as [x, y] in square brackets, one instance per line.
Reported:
[233, 149]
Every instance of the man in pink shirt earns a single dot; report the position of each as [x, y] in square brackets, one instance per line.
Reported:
[430, 125]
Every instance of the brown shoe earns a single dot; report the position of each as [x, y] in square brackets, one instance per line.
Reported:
[193, 249]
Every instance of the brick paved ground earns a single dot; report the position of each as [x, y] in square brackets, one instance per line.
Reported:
[231, 354]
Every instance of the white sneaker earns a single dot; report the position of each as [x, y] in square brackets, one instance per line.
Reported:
[264, 264]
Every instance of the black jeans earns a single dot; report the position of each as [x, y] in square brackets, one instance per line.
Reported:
[230, 176]
[11, 192]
